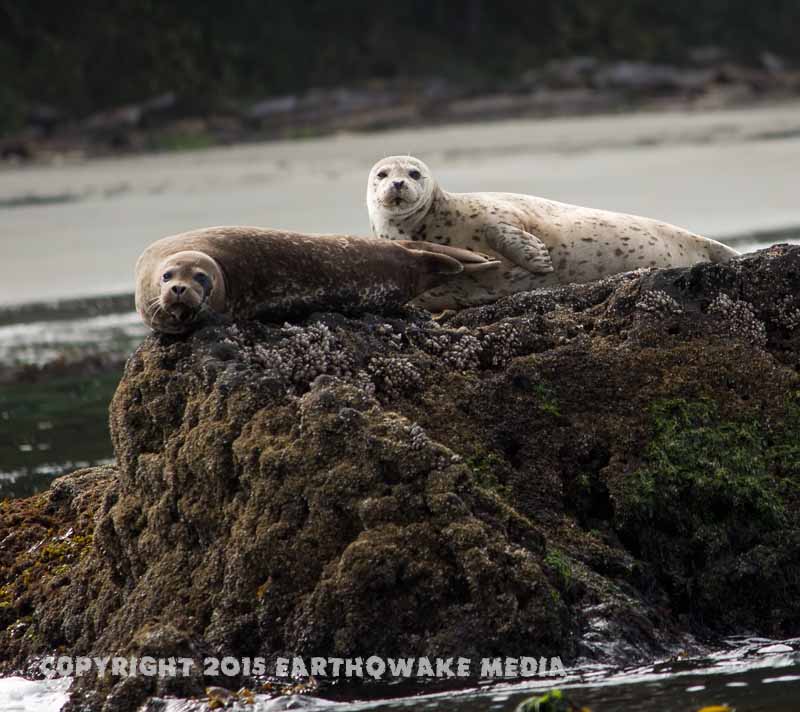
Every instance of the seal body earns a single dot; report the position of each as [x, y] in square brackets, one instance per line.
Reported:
[539, 242]
[251, 272]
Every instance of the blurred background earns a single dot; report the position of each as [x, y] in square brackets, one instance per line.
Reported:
[124, 121]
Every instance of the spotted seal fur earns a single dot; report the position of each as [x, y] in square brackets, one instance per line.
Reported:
[539, 242]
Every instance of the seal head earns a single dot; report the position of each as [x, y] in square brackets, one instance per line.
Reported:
[399, 188]
[187, 283]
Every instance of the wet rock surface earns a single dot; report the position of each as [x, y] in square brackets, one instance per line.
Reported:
[605, 471]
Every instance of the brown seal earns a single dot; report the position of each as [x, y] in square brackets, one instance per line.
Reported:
[251, 272]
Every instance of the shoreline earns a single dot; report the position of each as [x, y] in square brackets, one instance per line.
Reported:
[680, 111]
[577, 86]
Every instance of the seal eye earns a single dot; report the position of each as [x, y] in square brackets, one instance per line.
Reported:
[167, 276]
[415, 174]
[201, 279]
[382, 175]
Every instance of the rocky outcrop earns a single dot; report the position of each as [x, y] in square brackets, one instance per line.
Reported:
[598, 471]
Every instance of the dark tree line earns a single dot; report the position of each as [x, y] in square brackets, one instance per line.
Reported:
[91, 54]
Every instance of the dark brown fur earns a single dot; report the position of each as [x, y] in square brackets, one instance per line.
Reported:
[276, 275]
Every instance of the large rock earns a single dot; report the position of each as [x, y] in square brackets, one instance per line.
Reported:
[601, 470]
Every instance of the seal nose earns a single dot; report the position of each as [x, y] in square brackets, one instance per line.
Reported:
[176, 289]
[398, 184]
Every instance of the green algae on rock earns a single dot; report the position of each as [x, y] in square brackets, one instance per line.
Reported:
[553, 701]
[597, 471]
[712, 505]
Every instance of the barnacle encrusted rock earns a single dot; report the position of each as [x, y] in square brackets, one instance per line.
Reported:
[597, 471]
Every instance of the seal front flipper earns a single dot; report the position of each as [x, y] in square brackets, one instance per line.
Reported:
[520, 247]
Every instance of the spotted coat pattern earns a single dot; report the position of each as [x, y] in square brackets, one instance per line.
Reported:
[539, 242]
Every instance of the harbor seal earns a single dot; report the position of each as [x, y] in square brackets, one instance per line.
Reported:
[539, 242]
[251, 272]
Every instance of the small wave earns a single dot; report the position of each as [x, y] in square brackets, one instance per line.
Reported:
[20, 695]
[40, 342]
[52, 468]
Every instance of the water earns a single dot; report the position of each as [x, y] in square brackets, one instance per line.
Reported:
[59, 366]
[51, 428]
[69, 339]
[739, 676]
[19, 695]
[749, 675]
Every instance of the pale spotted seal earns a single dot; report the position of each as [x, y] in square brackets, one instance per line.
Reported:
[251, 272]
[539, 242]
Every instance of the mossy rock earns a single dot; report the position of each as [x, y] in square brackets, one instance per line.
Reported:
[611, 469]
[713, 507]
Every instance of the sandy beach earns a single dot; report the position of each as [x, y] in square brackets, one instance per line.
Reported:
[79, 226]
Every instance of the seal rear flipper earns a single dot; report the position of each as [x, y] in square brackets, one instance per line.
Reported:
[520, 247]
[458, 253]
[720, 253]
[471, 262]
[436, 264]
